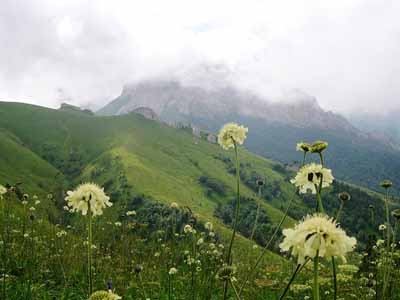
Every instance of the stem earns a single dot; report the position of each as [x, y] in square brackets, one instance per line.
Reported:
[254, 268]
[320, 207]
[334, 278]
[291, 280]
[169, 287]
[339, 211]
[235, 222]
[387, 261]
[257, 213]
[304, 159]
[235, 290]
[90, 249]
[387, 220]
[316, 284]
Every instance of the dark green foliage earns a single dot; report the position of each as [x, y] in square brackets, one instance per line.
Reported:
[212, 185]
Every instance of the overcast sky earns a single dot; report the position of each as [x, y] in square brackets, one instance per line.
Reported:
[344, 52]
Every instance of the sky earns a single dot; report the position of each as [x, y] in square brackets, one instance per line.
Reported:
[343, 52]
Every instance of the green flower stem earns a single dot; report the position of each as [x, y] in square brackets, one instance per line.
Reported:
[257, 213]
[253, 270]
[387, 220]
[90, 249]
[320, 207]
[339, 211]
[304, 159]
[334, 278]
[316, 283]
[236, 220]
[235, 290]
[169, 287]
[296, 271]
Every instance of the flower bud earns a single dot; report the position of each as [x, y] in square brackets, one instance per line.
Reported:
[344, 196]
[386, 184]
[318, 146]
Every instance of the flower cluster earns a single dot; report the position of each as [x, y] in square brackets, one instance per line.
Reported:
[317, 234]
[231, 133]
[85, 194]
[310, 176]
[104, 295]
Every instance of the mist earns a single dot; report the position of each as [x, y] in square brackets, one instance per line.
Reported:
[343, 52]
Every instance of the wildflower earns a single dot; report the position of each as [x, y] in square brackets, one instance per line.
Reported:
[260, 182]
[85, 194]
[382, 227]
[49, 196]
[25, 197]
[396, 214]
[37, 202]
[174, 205]
[26, 235]
[226, 273]
[344, 197]
[380, 242]
[104, 295]
[32, 208]
[305, 147]
[118, 224]
[24, 202]
[61, 233]
[317, 233]
[172, 271]
[131, 213]
[310, 176]
[200, 241]
[138, 269]
[231, 133]
[209, 226]
[3, 190]
[386, 184]
[188, 229]
[318, 146]
[66, 208]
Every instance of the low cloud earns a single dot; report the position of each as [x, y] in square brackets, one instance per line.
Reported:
[343, 52]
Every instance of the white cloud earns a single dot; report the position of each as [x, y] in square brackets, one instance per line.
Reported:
[344, 52]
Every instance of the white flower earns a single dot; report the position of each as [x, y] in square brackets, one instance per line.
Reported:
[37, 202]
[118, 224]
[61, 233]
[131, 213]
[104, 295]
[86, 193]
[382, 227]
[3, 190]
[66, 208]
[200, 241]
[172, 271]
[209, 226]
[188, 229]
[32, 208]
[309, 176]
[174, 205]
[231, 133]
[317, 233]
[305, 147]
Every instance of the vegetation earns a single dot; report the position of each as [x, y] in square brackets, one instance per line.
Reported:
[175, 200]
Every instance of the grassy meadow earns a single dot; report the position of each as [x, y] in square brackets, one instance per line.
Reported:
[189, 219]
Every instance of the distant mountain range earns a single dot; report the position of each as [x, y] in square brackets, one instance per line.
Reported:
[356, 155]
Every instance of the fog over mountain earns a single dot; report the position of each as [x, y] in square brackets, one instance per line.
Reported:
[343, 52]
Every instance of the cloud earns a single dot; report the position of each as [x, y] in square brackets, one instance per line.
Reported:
[344, 52]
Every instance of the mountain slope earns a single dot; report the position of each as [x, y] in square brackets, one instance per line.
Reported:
[275, 128]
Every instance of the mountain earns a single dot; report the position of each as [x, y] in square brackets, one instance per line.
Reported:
[275, 127]
[384, 126]
[134, 157]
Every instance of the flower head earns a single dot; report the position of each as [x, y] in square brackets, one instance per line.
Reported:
[174, 205]
[305, 147]
[382, 227]
[310, 176]
[396, 214]
[85, 194]
[231, 133]
[344, 196]
[172, 271]
[318, 146]
[104, 295]
[386, 184]
[188, 229]
[209, 226]
[3, 190]
[317, 234]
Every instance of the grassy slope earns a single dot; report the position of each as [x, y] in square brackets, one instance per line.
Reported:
[159, 161]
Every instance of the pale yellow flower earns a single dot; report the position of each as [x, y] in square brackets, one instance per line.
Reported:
[104, 295]
[172, 271]
[231, 133]
[310, 175]
[79, 199]
[3, 190]
[317, 234]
